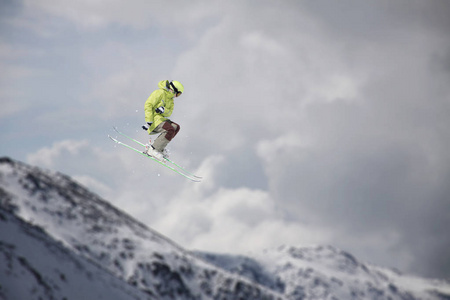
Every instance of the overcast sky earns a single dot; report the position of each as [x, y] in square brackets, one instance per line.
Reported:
[312, 122]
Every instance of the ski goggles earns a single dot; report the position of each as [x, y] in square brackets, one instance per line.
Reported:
[177, 92]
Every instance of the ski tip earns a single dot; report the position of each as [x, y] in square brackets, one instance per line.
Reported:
[194, 179]
[113, 139]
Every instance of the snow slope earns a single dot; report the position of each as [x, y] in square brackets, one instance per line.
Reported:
[35, 266]
[58, 240]
[327, 273]
[93, 229]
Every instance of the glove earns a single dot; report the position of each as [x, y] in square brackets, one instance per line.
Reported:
[147, 126]
[160, 110]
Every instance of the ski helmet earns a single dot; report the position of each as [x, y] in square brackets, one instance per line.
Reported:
[177, 86]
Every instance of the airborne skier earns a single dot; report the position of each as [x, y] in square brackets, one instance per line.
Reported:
[158, 108]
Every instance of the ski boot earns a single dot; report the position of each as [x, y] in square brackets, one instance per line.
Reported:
[165, 154]
[150, 151]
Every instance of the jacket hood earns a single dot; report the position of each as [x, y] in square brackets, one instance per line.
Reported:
[163, 84]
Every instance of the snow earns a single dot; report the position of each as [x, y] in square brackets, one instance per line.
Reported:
[96, 231]
[323, 272]
[33, 266]
[81, 246]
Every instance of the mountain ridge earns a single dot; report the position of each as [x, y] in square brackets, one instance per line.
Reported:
[94, 229]
[155, 267]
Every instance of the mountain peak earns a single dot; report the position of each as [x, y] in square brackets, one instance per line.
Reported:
[91, 228]
[100, 237]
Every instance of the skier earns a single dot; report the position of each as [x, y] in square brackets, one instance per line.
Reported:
[158, 108]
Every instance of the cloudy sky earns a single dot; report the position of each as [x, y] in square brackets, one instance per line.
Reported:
[312, 122]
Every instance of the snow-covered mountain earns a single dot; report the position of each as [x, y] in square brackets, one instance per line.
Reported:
[58, 240]
[91, 229]
[327, 273]
[35, 266]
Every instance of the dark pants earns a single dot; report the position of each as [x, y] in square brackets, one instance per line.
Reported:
[168, 130]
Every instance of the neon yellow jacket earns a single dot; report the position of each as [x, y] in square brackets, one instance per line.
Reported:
[162, 97]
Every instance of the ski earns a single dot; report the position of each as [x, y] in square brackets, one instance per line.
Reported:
[170, 161]
[160, 162]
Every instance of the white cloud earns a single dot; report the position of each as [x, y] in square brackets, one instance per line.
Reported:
[139, 14]
[101, 169]
[256, 42]
[247, 219]
[333, 118]
[116, 86]
[286, 145]
[46, 157]
[310, 123]
[93, 184]
[202, 216]
[94, 14]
